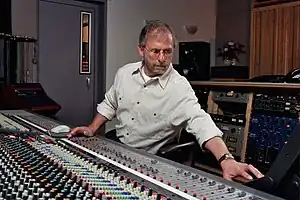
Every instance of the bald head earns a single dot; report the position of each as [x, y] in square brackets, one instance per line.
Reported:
[158, 30]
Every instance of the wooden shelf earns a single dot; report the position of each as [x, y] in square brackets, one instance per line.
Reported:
[260, 3]
[245, 84]
[265, 3]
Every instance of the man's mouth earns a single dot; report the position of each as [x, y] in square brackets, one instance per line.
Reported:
[160, 66]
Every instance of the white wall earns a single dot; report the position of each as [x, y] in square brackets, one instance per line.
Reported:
[24, 17]
[126, 18]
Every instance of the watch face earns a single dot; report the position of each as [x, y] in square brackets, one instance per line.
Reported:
[229, 157]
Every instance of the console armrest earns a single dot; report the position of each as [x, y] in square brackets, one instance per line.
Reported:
[175, 147]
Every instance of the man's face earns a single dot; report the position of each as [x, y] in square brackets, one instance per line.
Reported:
[157, 53]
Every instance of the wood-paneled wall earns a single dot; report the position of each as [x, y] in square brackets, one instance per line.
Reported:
[275, 39]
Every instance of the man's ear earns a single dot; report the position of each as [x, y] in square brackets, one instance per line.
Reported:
[141, 51]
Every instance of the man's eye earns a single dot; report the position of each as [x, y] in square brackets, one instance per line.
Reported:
[168, 51]
[155, 50]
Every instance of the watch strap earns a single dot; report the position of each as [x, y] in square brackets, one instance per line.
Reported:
[226, 156]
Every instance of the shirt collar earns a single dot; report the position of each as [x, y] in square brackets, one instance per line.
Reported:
[163, 79]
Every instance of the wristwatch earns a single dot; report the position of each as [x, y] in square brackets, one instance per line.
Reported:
[226, 156]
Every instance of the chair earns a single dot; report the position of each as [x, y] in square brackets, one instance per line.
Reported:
[180, 150]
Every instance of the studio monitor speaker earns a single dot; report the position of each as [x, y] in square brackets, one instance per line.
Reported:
[194, 60]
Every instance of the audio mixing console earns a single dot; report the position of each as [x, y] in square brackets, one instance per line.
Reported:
[8, 124]
[31, 118]
[98, 168]
[273, 119]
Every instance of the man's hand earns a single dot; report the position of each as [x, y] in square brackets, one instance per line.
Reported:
[89, 130]
[85, 130]
[232, 169]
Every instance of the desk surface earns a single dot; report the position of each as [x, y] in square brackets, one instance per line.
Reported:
[245, 84]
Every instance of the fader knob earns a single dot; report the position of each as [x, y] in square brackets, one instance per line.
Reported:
[150, 192]
[116, 174]
[211, 183]
[187, 173]
[242, 194]
[153, 161]
[195, 176]
[142, 188]
[231, 190]
[221, 186]
[158, 197]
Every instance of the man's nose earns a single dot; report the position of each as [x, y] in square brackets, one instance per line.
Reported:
[161, 56]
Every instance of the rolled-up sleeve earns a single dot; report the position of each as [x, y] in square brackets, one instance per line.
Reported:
[189, 114]
[108, 106]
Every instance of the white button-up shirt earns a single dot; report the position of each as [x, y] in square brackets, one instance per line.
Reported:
[151, 113]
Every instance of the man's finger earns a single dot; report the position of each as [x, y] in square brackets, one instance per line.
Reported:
[227, 177]
[246, 175]
[72, 132]
[255, 171]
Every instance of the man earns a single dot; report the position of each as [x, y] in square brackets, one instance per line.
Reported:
[152, 103]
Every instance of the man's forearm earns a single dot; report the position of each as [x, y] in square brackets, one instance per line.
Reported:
[217, 146]
[98, 121]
